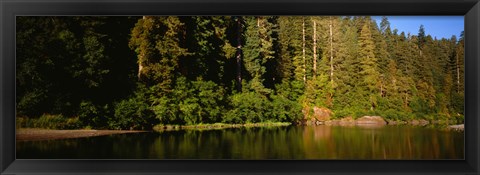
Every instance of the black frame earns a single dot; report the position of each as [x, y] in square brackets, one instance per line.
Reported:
[11, 8]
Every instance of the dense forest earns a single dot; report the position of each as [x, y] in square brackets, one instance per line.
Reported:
[138, 72]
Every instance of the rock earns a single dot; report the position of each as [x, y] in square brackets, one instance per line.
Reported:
[322, 114]
[370, 120]
[414, 122]
[393, 122]
[420, 122]
[423, 122]
[332, 122]
[457, 127]
[347, 121]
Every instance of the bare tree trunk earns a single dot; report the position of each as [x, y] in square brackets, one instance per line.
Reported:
[381, 85]
[303, 51]
[239, 54]
[314, 49]
[458, 74]
[140, 60]
[258, 22]
[331, 50]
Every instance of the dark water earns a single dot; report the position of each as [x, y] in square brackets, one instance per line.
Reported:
[292, 142]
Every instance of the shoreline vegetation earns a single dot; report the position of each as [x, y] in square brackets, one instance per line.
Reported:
[58, 122]
[142, 73]
[38, 134]
[218, 126]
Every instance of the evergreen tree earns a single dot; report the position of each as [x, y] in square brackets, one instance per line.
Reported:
[157, 41]
[369, 72]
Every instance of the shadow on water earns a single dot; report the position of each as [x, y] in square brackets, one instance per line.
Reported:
[290, 142]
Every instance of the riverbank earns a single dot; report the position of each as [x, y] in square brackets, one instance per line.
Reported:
[378, 121]
[217, 126]
[457, 127]
[35, 134]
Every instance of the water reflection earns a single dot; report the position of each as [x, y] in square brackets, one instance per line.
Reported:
[292, 142]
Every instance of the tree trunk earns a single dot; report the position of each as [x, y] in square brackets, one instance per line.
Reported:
[458, 73]
[314, 49]
[303, 51]
[239, 54]
[140, 60]
[331, 50]
[381, 85]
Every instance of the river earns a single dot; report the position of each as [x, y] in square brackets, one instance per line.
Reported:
[286, 142]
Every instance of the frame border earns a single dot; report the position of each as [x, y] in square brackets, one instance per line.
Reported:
[12, 8]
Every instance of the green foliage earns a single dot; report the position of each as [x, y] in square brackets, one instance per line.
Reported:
[156, 40]
[31, 102]
[248, 107]
[182, 70]
[285, 110]
[133, 113]
[190, 103]
[48, 121]
[93, 115]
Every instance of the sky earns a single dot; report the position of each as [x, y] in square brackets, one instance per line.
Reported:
[436, 26]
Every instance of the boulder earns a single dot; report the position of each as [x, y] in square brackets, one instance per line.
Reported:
[347, 121]
[414, 122]
[423, 122]
[457, 127]
[334, 122]
[322, 114]
[370, 120]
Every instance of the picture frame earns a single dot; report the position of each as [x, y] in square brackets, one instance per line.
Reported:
[12, 8]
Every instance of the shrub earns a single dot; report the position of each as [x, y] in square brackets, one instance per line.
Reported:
[92, 115]
[391, 114]
[190, 102]
[248, 107]
[285, 110]
[343, 113]
[132, 113]
[48, 121]
[31, 102]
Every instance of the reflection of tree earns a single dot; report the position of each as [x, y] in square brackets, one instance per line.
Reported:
[323, 133]
[292, 142]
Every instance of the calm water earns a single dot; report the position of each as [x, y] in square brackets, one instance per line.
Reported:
[291, 142]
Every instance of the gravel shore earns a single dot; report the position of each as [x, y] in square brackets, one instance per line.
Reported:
[31, 134]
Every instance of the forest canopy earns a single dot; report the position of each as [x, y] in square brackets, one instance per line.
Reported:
[138, 72]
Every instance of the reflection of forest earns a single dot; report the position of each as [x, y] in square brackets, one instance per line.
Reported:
[323, 133]
[292, 142]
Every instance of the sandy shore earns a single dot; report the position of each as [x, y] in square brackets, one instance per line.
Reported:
[29, 134]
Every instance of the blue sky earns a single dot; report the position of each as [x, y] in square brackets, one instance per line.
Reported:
[436, 26]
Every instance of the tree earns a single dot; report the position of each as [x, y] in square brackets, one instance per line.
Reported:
[368, 66]
[157, 41]
[67, 60]
[258, 50]
[421, 36]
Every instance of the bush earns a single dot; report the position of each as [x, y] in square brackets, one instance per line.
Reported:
[248, 107]
[132, 113]
[92, 115]
[459, 118]
[391, 114]
[285, 110]
[190, 102]
[48, 121]
[343, 113]
[31, 103]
